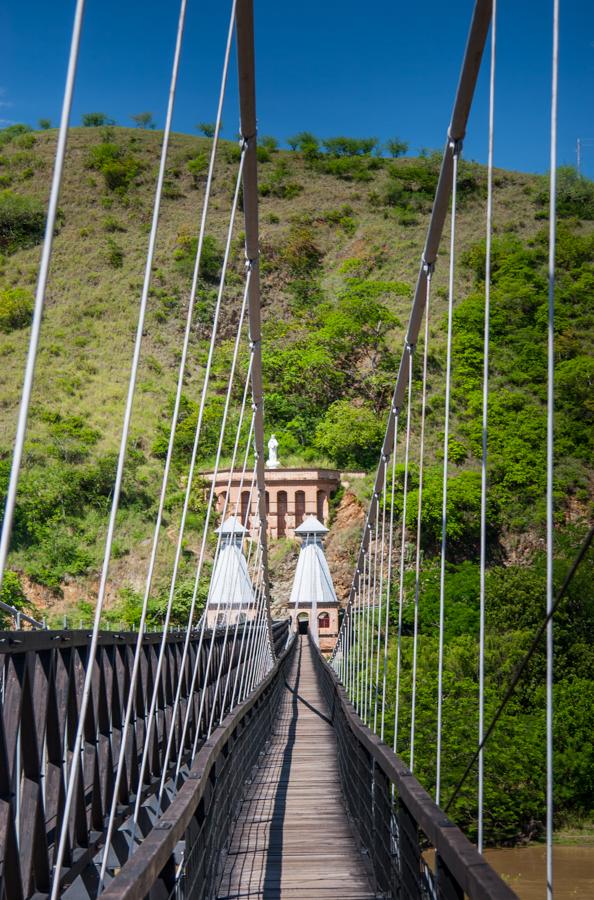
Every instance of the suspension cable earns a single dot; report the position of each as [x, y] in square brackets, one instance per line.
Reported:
[224, 700]
[206, 525]
[389, 574]
[42, 278]
[376, 554]
[403, 547]
[203, 623]
[550, 445]
[419, 527]
[228, 620]
[381, 597]
[187, 497]
[153, 556]
[483, 523]
[455, 150]
[247, 631]
[76, 759]
[580, 556]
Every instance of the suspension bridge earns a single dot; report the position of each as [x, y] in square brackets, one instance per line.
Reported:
[232, 758]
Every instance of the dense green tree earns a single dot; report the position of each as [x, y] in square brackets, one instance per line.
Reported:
[350, 435]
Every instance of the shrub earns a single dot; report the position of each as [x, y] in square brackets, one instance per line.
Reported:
[307, 143]
[207, 128]
[171, 190]
[198, 167]
[396, 147]
[114, 254]
[210, 261]
[342, 217]
[96, 120]
[143, 120]
[278, 184]
[263, 154]
[269, 143]
[16, 308]
[232, 152]
[118, 168]
[300, 252]
[345, 147]
[71, 438]
[22, 221]
[111, 225]
[347, 168]
[11, 593]
[12, 131]
[575, 194]
[412, 185]
[45, 124]
[25, 141]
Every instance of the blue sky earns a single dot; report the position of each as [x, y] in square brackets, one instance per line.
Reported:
[381, 68]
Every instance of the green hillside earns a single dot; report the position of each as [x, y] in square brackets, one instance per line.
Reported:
[341, 237]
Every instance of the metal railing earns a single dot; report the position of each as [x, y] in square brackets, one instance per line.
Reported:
[397, 822]
[41, 680]
[182, 857]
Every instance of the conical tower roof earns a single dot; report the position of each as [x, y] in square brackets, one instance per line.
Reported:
[311, 525]
[230, 585]
[313, 583]
[232, 526]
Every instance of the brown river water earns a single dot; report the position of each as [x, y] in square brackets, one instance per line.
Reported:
[524, 870]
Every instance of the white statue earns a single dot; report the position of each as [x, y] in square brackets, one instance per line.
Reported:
[272, 461]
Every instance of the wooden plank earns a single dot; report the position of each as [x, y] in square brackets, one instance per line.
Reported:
[292, 839]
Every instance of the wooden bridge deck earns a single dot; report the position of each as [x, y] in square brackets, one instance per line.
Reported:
[292, 839]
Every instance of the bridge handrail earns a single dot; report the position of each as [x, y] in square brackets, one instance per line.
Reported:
[41, 678]
[20, 616]
[459, 864]
[150, 861]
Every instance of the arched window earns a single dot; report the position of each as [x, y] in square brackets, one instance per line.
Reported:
[321, 505]
[299, 507]
[324, 620]
[221, 500]
[281, 511]
[245, 508]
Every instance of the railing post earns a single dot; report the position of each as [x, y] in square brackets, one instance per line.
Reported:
[410, 853]
[447, 886]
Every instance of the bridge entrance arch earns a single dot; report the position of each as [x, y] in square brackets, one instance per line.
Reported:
[303, 622]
